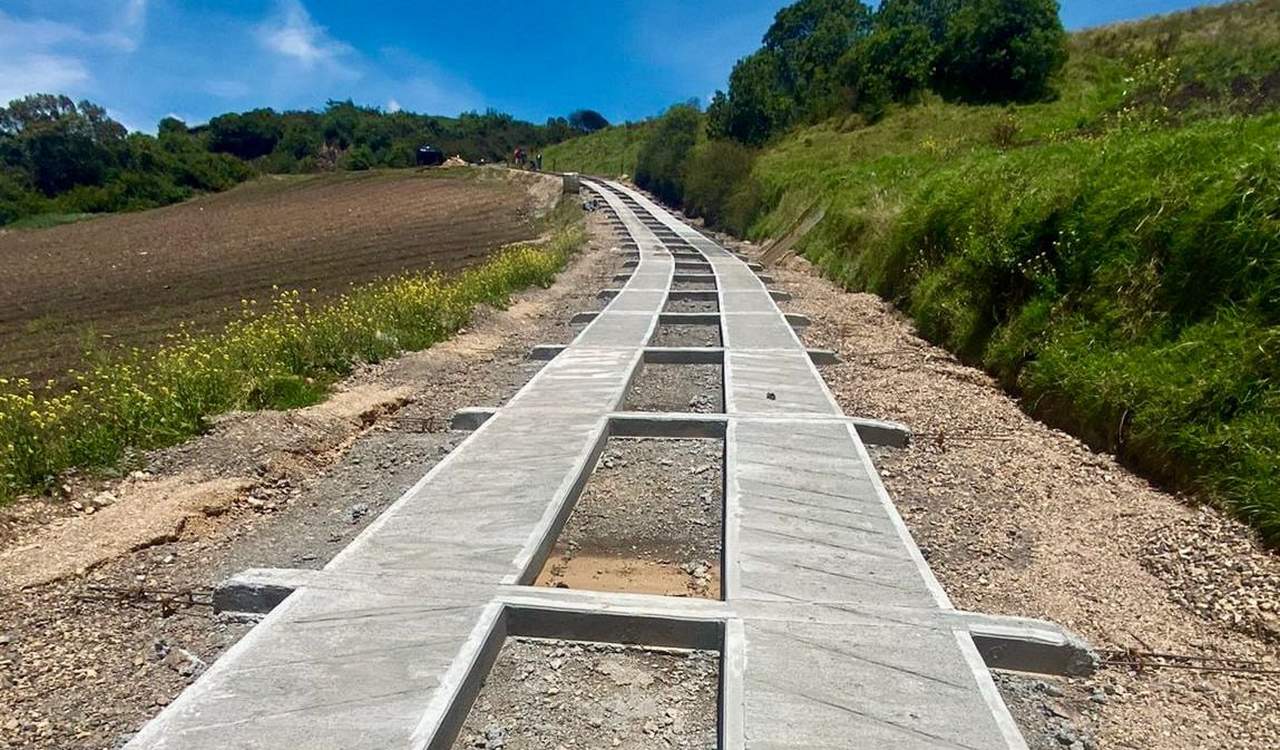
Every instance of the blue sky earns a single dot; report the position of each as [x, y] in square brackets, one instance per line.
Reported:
[145, 59]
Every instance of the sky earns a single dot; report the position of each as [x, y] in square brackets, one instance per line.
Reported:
[193, 59]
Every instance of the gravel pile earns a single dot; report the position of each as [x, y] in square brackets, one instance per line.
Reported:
[1214, 566]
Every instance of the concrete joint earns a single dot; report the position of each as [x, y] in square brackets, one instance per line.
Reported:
[471, 417]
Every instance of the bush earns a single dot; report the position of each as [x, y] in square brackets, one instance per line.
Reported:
[1001, 50]
[718, 172]
[661, 162]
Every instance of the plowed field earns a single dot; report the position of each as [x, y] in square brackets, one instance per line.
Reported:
[128, 279]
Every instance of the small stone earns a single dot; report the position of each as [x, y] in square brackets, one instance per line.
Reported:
[356, 512]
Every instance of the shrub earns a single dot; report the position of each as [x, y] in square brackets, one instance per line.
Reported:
[717, 172]
[1001, 50]
[661, 162]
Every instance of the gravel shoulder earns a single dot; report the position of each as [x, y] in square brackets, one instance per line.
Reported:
[86, 659]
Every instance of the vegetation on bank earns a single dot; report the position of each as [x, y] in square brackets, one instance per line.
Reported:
[278, 357]
[612, 151]
[60, 158]
[1111, 251]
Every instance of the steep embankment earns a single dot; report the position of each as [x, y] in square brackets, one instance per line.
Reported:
[1112, 255]
[612, 151]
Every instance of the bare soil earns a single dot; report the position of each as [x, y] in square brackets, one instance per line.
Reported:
[544, 694]
[677, 388]
[692, 306]
[88, 658]
[651, 515]
[686, 334]
[128, 280]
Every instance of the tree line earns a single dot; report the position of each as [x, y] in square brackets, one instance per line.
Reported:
[824, 58]
[62, 156]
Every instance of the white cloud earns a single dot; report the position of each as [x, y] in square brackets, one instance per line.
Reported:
[39, 73]
[393, 106]
[45, 56]
[294, 35]
[227, 89]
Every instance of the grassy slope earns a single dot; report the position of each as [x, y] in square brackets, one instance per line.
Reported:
[1113, 255]
[608, 153]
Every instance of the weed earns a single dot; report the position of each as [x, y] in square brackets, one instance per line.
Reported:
[278, 357]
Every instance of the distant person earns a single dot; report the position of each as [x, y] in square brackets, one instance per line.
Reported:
[538, 161]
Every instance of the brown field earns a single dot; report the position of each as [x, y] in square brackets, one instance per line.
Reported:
[126, 280]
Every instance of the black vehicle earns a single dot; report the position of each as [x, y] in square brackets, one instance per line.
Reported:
[430, 156]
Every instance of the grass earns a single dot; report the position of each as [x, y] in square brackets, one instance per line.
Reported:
[608, 153]
[1113, 255]
[44, 221]
[281, 356]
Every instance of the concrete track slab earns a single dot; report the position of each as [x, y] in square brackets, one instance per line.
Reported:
[833, 631]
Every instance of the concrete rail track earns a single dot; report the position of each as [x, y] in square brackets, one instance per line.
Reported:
[832, 631]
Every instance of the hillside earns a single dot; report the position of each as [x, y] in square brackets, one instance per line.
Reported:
[612, 151]
[1112, 255]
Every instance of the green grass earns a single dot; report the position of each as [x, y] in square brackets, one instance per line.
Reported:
[1113, 255]
[280, 357]
[608, 153]
[44, 221]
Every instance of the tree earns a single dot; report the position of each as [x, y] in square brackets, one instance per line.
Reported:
[808, 38]
[660, 164]
[587, 121]
[248, 136]
[756, 106]
[1001, 50]
[172, 127]
[61, 144]
[897, 60]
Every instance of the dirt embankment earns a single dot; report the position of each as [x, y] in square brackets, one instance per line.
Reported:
[113, 622]
[130, 279]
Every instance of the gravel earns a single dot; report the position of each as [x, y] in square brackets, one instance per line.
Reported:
[692, 306]
[649, 520]
[686, 334]
[548, 694]
[677, 388]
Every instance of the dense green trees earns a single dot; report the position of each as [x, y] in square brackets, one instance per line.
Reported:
[755, 107]
[1001, 50]
[821, 56]
[59, 156]
[661, 164]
